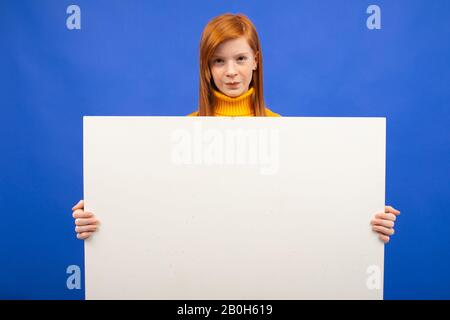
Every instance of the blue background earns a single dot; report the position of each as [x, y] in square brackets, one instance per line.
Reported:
[141, 58]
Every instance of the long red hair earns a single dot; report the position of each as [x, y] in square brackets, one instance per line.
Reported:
[219, 29]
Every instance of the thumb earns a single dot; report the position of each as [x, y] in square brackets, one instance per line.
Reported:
[79, 205]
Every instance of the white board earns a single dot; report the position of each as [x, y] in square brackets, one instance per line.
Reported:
[289, 219]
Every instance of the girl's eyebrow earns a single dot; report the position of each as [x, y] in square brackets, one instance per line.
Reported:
[239, 54]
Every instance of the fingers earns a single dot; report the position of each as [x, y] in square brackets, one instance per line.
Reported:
[389, 209]
[83, 235]
[383, 222]
[79, 213]
[384, 238]
[87, 228]
[386, 216]
[383, 230]
[84, 222]
[79, 205]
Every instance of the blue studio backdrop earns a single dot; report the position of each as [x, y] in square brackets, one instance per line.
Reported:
[60, 60]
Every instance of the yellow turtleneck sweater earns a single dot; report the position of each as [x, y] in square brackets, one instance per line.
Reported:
[235, 107]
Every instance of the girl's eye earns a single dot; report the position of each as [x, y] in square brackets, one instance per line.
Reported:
[240, 59]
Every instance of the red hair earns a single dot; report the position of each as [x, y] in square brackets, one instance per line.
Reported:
[219, 29]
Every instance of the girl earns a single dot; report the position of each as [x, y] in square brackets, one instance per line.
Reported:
[231, 84]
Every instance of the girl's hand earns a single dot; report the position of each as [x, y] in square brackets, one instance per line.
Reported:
[383, 223]
[85, 222]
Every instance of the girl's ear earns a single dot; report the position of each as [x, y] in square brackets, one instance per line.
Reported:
[256, 61]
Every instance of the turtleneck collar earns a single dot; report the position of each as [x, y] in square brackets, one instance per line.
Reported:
[239, 106]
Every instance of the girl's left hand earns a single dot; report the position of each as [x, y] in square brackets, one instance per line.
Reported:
[384, 222]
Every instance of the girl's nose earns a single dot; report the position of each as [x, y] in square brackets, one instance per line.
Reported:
[231, 70]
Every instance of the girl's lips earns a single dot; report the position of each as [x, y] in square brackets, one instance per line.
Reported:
[232, 84]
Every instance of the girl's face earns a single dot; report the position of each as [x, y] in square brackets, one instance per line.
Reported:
[232, 67]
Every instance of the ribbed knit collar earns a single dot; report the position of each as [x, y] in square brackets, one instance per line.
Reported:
[234, 107]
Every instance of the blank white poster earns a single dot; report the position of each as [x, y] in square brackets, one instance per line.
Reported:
[234, 207]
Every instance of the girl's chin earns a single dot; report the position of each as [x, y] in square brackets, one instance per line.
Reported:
[233, 93]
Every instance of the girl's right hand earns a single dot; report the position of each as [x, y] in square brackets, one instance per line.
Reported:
[85, 222]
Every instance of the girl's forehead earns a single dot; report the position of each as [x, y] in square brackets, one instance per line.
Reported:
[233, 47]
